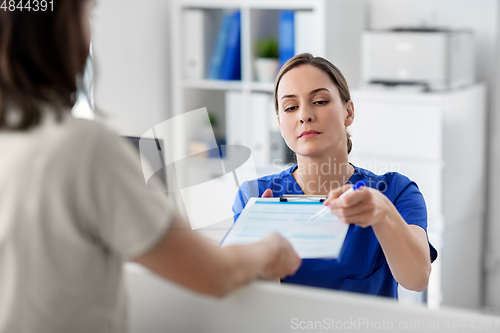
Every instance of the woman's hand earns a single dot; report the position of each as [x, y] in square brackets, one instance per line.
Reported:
[267, 193]
[364, 207]
[405, 246]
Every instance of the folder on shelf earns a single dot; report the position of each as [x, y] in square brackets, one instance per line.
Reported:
[220, 47]
[194, 43]
[304, 33]
[286, 36]
[324, 238]
[237, 131]
[261, 110]
[231, 65]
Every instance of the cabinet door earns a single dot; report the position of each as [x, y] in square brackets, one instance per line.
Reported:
[397, 130]
[427, 175]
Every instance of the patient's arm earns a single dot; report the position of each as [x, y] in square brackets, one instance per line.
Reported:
[186, 258]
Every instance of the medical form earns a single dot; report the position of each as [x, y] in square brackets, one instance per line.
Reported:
[322, 238]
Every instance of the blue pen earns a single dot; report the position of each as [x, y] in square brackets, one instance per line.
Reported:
[327, 208]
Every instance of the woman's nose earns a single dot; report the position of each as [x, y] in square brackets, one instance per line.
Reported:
[305, 116]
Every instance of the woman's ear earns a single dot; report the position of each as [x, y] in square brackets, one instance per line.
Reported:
[350, 114]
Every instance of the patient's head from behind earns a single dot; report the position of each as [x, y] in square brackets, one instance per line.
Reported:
[42, 54]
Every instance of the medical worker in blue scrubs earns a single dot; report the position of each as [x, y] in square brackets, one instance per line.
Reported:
[387, 243]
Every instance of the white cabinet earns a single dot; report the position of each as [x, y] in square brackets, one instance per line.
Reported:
[437, 140]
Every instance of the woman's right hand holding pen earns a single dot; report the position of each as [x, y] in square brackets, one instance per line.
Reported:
[405, 246]
[360, 205]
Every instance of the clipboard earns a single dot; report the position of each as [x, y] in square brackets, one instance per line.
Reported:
[302, 197]
[322, 239]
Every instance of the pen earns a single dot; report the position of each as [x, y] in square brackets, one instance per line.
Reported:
[327, 208]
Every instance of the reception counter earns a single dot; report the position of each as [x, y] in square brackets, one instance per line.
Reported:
[159, 306]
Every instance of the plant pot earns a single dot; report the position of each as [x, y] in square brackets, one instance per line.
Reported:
[266, 69]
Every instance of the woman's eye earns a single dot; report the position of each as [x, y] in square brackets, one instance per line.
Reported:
[291, 108]
[320, 102]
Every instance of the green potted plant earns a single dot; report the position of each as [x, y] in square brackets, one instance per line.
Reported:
[266, 64]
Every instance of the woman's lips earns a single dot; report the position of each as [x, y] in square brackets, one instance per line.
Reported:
[308, 134]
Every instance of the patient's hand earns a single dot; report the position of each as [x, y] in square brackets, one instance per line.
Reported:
[283, 261]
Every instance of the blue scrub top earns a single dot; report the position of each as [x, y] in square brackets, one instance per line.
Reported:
[362, 266]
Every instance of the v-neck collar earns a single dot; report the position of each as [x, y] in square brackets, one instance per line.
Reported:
[295, 186]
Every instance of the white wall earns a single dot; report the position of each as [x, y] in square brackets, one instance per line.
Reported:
[130, 44]
[481, 16]
[492, 267]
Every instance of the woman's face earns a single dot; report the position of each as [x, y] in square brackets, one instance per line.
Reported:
[312, 117]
